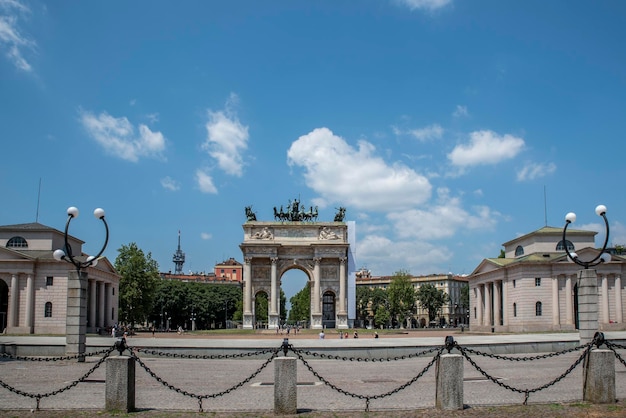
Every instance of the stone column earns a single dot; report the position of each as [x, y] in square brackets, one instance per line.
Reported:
[619, 317]
[30, 303]
[496, 303]
[15, 301]
[605, 300]
[316, 312]
[76, 318]
[248, 316]
[101, 298]
[91, 321]
[505, 303]
[342, 285]
[274, 317]
[479, 305]
[599, 377]
[449, 382]
[120, 384]
[556, 320]
[285, 386]
[587, 305]
[107, 305]
[569, 310]
[487, 320]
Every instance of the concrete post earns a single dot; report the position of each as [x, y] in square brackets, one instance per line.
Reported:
[120, 384]
[449, 382]
[599, 377]
[76, 317]
[587, 305]
[285, 386]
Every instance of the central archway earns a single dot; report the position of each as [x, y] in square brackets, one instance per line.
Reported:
[319, 249]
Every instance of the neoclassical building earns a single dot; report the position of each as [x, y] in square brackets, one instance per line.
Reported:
[534, 287]
[33, 285]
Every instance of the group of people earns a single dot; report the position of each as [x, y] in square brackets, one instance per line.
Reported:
[344, 335]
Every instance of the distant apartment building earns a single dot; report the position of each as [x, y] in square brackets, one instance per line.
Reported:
[451, 314]
[534, 287]
[227, 272]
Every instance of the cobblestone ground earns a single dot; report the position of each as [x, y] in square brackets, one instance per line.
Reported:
[315, 399]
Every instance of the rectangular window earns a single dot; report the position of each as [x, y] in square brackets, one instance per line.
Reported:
[48, 310]
[537, 281]
[513, 283]
[49, 280]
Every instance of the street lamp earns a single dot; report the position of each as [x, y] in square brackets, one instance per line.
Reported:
[193, 320]
[76, 317]
[602, 257]
[588, 281]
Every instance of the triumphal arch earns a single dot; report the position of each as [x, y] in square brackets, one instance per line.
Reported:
[296, 240]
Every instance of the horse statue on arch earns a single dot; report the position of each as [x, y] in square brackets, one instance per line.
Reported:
[250, 215]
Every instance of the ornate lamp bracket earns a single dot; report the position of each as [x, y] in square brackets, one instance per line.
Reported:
[602, 257]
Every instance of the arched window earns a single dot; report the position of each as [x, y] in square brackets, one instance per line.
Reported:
[17, 242]
[519, 251]
[538, 309]
[515, 309]
[561, 247]
[48, 310]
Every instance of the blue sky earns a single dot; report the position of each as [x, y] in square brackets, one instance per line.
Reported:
[438, 124]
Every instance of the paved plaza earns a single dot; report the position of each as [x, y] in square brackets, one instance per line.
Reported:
[356, 378]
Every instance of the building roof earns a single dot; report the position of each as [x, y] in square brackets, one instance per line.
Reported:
[34, 227]
[550, 231]
[230, 262]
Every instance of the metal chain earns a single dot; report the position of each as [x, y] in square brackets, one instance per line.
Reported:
[72, 357]
[527, 358]
[612, 347]
[367, 398]
[204, 356]
[526, 392]
[205, 396]
[39, 396]
[618, 346]
[364, 359]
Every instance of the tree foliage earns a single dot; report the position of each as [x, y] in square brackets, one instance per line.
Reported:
[300, 305]
[211, 304]
[464, 300]
[432, 299]
[373, 303]
[401, 296]
[139, 275]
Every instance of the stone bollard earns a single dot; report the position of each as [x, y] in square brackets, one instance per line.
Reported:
[120, 384]
[449, 382]
[285, 386]
[599, 377]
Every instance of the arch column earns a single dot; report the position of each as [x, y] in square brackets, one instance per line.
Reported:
[274, 316]
[316, 312]
[342, 315]
[248, 316]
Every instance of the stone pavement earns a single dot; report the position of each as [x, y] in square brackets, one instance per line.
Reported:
[362, 379]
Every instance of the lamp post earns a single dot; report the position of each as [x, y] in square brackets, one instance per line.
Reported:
[588, 280]
[76, 318]
[226, 313]
[193, 320]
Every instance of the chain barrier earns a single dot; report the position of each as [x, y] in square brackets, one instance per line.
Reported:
[201, 397]
[367, 398]
[39, 396]
[366, 359]
[526, 358]
[587, 348]
[63, 358]
[203, 356]
[613, 348]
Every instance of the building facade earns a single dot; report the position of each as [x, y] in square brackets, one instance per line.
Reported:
[452, 313]
[33, 285]
[534, 287]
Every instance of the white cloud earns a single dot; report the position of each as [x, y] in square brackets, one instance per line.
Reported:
[226, 138]
[430, 5]
[442, 220]
[460, 111]
[205, 235]
[434, 131]
[486, 147]
[170, 184]
[357, 178]
[205, 182]
[11, 38]
[532, 171]
[117, 136]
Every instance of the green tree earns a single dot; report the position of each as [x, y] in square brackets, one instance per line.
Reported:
[300, 305]
[464, 300]
[363, 301]
[139, 274]
[432, 299]
[401, 296]
[260, 307]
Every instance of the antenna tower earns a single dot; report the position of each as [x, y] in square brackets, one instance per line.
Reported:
[179, 258]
